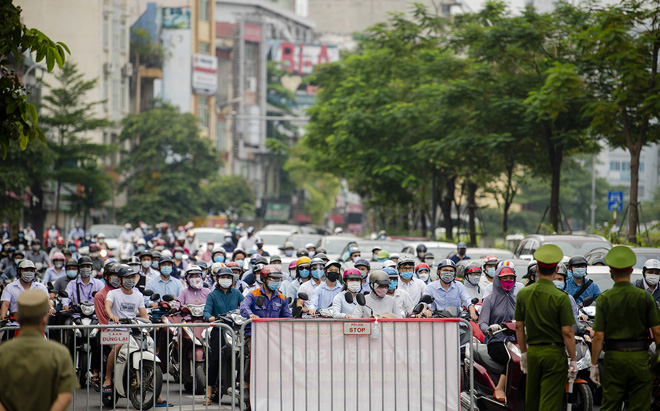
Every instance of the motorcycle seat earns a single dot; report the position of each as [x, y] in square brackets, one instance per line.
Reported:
[482, 357]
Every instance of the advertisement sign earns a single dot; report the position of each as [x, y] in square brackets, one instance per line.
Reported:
[316, 366]
[115, 337]
[204, 74]
[176, 18]
[277, 212]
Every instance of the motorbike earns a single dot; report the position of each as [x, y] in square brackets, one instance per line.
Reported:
[486, 372]
[136, 375]
[186, 350]
[81, 346]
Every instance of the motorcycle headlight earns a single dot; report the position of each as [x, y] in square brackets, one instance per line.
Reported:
[590, 310]
[196, 310]
[230, 340]
[585, 361]
[87, 310]
[238, 319]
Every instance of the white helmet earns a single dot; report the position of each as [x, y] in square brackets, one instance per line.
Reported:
[389, 263]
[166, 253]
[339, 230]
[651, 264]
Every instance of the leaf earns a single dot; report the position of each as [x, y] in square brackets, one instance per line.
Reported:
[50, 60]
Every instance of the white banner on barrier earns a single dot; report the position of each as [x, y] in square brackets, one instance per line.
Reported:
[313, 365]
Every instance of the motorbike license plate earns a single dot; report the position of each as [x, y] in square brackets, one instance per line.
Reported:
[357, 328]
[115, 337]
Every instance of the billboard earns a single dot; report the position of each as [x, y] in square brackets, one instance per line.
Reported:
[204, 74]
[176, 18]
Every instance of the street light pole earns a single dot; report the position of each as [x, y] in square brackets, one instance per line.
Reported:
[593, 191]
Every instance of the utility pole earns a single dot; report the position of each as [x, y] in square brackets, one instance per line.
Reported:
[593, 191]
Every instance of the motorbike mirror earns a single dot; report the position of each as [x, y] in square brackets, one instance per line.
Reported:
[155, 297]
[296, 312]
[63, 294]
[427, 299]
[349, 298]
[361, 300]
[418, 308]
[303, 296]
[475, 300]
[148, 293]
[168, 297]
[288, 300]
[50, 286]
[260, 301]
[587, 301]
[94, 294]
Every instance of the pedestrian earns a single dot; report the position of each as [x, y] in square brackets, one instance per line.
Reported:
[624, 315]
[32, 365]
[544, 329]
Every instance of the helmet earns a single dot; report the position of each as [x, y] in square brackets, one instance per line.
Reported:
[303, 260]
[71, 243]
[395, 256]
[58, 256]
[110, 268]
[322, 256]
[146, 253]
[225, 271]
[84, 260]
[166, 253]
[302, 252]
[353, 250]
[577, 260]
[473, 269]
[651, 264]
[333, 263]
[164, 259]
[405, 260]
[215, 267]
[275, 258]
[316, 261]
[271, 271]
[320, 250]
[26, 264]
[310, 245]
[352, 274]
[100, 236]
[446, 263]
[141, 241]
[202, 265]
[377, 278]
[561, 269]
[178, 248]
[127, 225]
[72, 263]
[124, 270]
[507, 263]
[155, 255]
[190, 233]
[389, 263]
[289, 244]
[60, 240]
[339, 230]
[422, 266]
[133, 261]
[94, 247]
[421, 248]
[490, 260]
[376, 248]
[193, 269]
[238, 251]
[36, 241]
[292, 265]
[259, 240]
[362, 263]
[391, 272]
[383, 255]
[218, 249]
[531, 269]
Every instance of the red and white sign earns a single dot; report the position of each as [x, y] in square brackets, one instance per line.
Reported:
[115, 337]
[412, 365]
[363, 328]
[204, 74]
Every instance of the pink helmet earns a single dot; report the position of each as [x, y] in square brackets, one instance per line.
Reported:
[352, 274]
[58, 256]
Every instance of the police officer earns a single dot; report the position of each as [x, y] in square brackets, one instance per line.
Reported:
[544, 326]
[30, 361]
[624, 314]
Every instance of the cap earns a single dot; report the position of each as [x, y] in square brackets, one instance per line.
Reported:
[652, 264]
[33, 303]
[461, 244]
[620, 258]
[548, 255]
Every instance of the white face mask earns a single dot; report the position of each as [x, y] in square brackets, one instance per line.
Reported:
[423, 276]
[196, 283]
[146, 264]
[652, 279]
[225, 282]
[354, 286]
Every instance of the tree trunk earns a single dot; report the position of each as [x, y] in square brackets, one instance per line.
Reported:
[445, 205]
[555, 153]
[472, 208]
[508, 199]
[423, 221]
[633, 210]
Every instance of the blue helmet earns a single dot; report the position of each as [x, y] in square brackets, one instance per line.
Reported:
[446, 263]
[390, 271]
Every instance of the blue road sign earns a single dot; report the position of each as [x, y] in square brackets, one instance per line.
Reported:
[615, 200]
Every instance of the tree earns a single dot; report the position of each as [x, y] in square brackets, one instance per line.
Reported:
[165, 166]
[18, 118]
[231, 195]
[69, 116]
[619, 64]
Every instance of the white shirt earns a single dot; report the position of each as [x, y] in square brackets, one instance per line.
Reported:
[125, 305]
[484, 283]
[415, 289]
[246, 243]
[475, 291]
[404, 302]
[383, 305]
[489, 290]
[340, 308]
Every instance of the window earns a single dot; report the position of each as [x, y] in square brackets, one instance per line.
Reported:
[625, 166]
[220, 136]
[203, 112]
[203, 47]
[615, 166]
[122, 34]
[203, 10]
[641, 167]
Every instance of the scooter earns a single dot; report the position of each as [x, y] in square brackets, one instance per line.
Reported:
[186, 350]
[84, 338]
[137, 375]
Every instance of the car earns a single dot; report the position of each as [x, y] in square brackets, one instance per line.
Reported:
[601, 276]
[500, 253]
[290, 228]
[438, 248]
[273, 240]
[111, 232]
[571, 245]
[335, 244]
[301, 240]
[645, 253]
[366, 246]
[204, 234]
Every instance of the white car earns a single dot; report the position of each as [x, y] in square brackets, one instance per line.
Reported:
[204, 234]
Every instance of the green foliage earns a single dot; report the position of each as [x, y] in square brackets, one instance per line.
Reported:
[18, 118]
[150, 53]
[230, 195]
[165, 165]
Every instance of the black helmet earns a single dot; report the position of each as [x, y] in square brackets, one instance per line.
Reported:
[84, 260]
[124, 270]
[110, 268]
[155, 255]
[71, 263]
[261, 260]
[164, 259]
[531, 270]
[362, 263]
[561, 269]
[421, 248]
[577, 260]
[146, 253]
[133, 260]
[302, 252]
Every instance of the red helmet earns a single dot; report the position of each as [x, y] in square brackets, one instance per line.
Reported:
[473, 269]
[422, 266]
[60, 240]
[352, 274]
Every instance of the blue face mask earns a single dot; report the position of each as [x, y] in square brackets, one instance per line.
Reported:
[166, 271]
[154, 264]
[240, 263]
[72, 248]
[407, 276]
[218, 258]
[393, 284]
[559, 284]
[72, 274]
[273, 285]
[288, 253]
[317, 273]
[142, 248]
[579, 272]
[303, 273]
[491, 272]
[381, 260]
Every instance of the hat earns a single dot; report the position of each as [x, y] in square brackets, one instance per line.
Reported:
[620, 258]
[461, 245]
[548, 255]
[275, 258]
[33, 303]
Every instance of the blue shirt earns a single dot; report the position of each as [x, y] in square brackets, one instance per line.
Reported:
[172, 287]
[220, 303]
[455, 296]
[52, 275]
[456, 258]
[591, 291]
[340, 308]
[275, 307]
[323, 295]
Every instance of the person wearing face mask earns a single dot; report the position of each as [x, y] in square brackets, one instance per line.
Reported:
[228, 244]
[421, 252]
[190, 244]
[178, 261]
[378, 303]
[80, 290]
[273, 306]
[259, 242]
[353, 254]
[382, 256]
[324, 294]
[651, 273]
[401, 297]
[497, 308]
[111, 283]
[20, 242]
[364, 267]
[530, 277]
[288, 249]
[429, 259]
[95, 255]
[239, 284]
[352, 286]
[239, 258]
[207, 255]
[461, 249]
[26, 276]
[165, 283]
[11, 270]
[220, 301]
[517, 287]
[147, 273]
[423, 272]
[196, 293]
[382, 235]
[218, 254]
[316, 271]
[471, 281]
[253, 277]
[311, 249]
[248, 241]
[76, 233]
[374, 253]
[57, 270]
[578, 286]
[71, 246]
[408, 283]
[290, 288]
[140, 246]
[488, 270]
[71, 269]
[559, 280]
[50, 235]
[447, 292]
[37, 255]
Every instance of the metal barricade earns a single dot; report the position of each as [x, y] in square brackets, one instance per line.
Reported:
[363, 364]
[142, 366]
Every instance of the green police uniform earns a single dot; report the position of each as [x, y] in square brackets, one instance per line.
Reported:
[544, 310]
[30, 364]
[624, 314]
